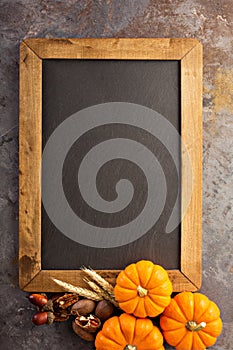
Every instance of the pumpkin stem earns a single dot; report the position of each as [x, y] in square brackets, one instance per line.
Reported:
[130, 347]
[142, 292]
[193, 326]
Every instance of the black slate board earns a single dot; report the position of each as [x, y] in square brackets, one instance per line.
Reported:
[72, 85]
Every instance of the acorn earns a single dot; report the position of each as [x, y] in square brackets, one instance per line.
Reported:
[104, 310]
[43, 318]
[38, 299]
[83, 307]
[82, 333]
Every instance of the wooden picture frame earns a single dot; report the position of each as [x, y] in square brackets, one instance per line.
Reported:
[32, 52]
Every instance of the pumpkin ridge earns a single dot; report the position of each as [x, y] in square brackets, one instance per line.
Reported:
[140, 305]
[214, 339]
[124, 294]
[156, 309]
[129, 276]
[192, 340]
[149, 278]
[209, 323]
[203, 313]
[113, 341]
[158, 305]
[134, 331]
[175, 329]
[182, 309]
[174, 319]
[147, 308]
[207, 331]
[139, 272]
[200, 339]
[159, 299]
[127, 280]
[159, 283]
[116, 340]
[164, 286]
[122, 330]
[131, 300]
[145, 336]
[182, 340]
[153, 308]
[213, 320]
[206, 314]
[121, 326]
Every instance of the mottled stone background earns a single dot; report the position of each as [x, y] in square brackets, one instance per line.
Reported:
[209, 21]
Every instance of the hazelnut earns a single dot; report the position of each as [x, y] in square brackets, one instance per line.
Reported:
[89, 323]
[104, 310]
[83, 307]
[82, 333]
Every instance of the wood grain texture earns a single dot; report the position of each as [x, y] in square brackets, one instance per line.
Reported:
[43, 280]
[191, 131]
[30, 144]
[108, 48]
[32, 51]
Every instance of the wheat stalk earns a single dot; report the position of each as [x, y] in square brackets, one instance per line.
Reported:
[101, 291]
[100, 280]
[83, 292]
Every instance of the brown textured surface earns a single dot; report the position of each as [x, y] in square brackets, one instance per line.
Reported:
[210, 22]
[189, 277]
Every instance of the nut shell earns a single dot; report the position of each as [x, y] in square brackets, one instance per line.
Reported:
[104, 310]
[64, 301]
[89, 323]
[82, 333]
[61, 316]
[83, 307]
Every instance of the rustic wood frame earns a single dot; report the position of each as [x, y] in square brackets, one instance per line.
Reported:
[32, 52]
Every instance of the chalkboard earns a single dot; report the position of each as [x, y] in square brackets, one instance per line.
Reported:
[110, 158]
[91, 82]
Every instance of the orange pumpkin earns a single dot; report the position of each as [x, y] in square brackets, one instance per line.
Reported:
[191, 322]
[143, 289]
[129, 333]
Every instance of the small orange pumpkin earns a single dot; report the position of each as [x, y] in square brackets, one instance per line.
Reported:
[143, 289]
[191, 322]
[129, 333]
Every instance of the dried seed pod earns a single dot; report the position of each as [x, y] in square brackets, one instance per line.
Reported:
[83, 307]
[82, 333]
[51, 318]
[89, 323]
[104, 310]
[38, 299]
[48, 306]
